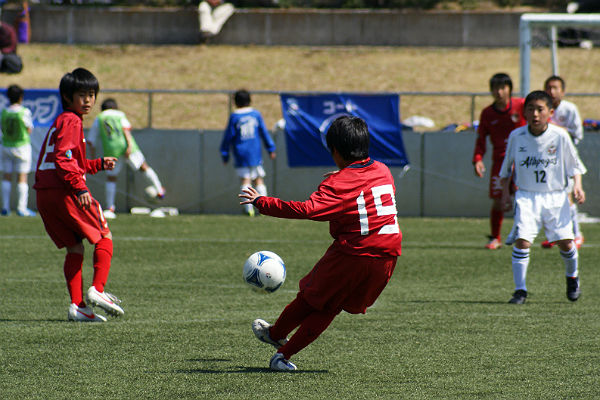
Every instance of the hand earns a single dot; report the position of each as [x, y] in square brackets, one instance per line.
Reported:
[506, 201]
[109, 163]
[85, 200]
[248, 196]
[579, 195]
[479, 168]
[272, 155]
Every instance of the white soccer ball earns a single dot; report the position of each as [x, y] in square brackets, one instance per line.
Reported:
[264, 271]
[150, 192]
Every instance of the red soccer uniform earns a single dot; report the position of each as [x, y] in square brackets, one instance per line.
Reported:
[497, 125]
[359, 204]
[60, 177]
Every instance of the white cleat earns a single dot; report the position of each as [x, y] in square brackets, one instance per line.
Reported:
[83, 314]
[278, 363]
[261, 331]
[109, 214]
[106, 301]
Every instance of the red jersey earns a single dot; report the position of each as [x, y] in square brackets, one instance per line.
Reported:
[62, 163]
[359, 203]
[498, 125]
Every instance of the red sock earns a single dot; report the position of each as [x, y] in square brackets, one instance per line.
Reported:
[310, 329]
[496, 218]
[291, 317]
[72, 269]
[102, 256]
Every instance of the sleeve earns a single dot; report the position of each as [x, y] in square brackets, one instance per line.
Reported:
[509, 158]
[93, 132]
[480, 143]
[67, 167]
[125, 124]
[27, 119]
[323, 205]
[264, 134]
[93, 166]
[227, 138]
[574, 165]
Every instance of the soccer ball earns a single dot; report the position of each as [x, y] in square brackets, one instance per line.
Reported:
[151, 193]
[264, 271]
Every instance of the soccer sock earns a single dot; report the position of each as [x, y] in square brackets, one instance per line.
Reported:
[74, 278]
[102, 256]
[520, 261]
[153, 178]
[6, 195]
[111, 192]
[571, 258]
[247, 207]
[576, 230]
[261, 189]
[291, 317]
[23, 191]
[496, 218]
[310, 329]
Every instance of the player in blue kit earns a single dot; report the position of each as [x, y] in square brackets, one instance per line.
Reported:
[245, 129]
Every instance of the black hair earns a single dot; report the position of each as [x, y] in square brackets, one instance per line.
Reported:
[109, 103]
[349, 135]
[79, 79]
[539, 95]
[242, 98]
[555, 78]
[501, 79]
[14, 93]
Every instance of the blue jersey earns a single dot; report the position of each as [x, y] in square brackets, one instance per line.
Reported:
[244, 132]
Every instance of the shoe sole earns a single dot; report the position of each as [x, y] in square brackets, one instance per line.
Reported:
[115, 312]
[257, 326]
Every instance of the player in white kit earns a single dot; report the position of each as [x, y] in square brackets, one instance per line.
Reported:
[542, 157]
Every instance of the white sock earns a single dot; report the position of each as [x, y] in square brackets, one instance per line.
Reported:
[153, 179]
[576, 230]
[6, 195]
[571, 258]
[520, 262]
[23, 191]
[111, 192]
[261, 189]
[247, 207]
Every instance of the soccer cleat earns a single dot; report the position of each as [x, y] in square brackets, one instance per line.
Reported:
[83, 314]
[110, 213]
[104, 300]
[493, 244]
[547, 245]
[161, 193]
[519, 297]
[5, 212]
[261, 331]
[573, 291]
[26, 213]
[278, 363]
[578, 241]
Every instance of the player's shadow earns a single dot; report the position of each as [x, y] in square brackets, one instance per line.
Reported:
[34, 320]
[233, 369]
[455, 301]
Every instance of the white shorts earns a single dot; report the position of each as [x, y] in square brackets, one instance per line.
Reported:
[251, 172]
[16, 159]
[134, 161]
[537, 210]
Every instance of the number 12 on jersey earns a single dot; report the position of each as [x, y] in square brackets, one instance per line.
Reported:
[378, 192]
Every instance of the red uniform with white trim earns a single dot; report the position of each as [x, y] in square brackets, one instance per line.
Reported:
[60, 177]
[359, 203]
[497, 125]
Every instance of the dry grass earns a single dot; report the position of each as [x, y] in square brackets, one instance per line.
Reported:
[356, 69]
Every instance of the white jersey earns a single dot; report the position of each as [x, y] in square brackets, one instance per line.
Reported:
[567, 116]
[541, 163]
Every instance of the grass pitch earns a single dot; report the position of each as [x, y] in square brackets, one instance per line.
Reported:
[441, 329]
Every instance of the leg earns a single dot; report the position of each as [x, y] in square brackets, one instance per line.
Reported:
[570, 256]
[73, 276]
[111, 192]
[244, 183]
[6, 186]
[96, 295]
[260, 186]
[576, 231]
[152, 178]
[23, 190]
[520, 262]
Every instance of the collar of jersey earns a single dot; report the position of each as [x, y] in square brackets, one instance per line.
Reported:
[361, 164]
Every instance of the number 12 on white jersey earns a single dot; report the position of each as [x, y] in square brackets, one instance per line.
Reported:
[382, 210]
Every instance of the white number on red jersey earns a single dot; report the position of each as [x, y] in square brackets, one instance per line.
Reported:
[47, 150]
[382, 210]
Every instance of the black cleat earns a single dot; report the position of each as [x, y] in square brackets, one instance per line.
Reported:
[519, 297]
[573, 291]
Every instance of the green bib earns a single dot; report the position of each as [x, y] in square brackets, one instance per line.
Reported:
[14, 131]
[113, 139]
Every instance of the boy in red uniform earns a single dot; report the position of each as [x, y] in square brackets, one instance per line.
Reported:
[359, 203]
[66, 206]
[497, 121]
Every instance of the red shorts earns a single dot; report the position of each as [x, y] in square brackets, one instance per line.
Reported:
[495, 185]
[66, 223]
[341, 281]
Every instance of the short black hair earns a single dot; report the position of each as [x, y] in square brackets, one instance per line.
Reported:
[242, 98]
[538, 95]
[14, 93]
[555, 78]
[79, 79]
[108, 104]
[501, 79]
[349, 135]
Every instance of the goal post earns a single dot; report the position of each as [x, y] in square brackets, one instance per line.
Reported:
[551, 22]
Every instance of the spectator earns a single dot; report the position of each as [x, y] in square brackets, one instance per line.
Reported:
[10, 62]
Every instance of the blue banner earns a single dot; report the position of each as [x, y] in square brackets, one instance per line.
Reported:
[45, 105]
[307, 118]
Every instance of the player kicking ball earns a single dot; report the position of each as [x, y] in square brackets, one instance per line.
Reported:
[542, 157]
[359, 203]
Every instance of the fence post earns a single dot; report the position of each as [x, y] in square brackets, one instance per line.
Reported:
[150, 110]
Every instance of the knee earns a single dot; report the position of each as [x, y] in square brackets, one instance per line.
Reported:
[76, 248]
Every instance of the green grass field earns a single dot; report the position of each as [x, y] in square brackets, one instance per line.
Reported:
[441, 329]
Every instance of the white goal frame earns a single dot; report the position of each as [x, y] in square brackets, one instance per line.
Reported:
[550, 21]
